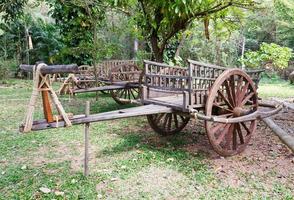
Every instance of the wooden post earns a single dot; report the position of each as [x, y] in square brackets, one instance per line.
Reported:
[47, 106]
[190, 83]
[87, 127]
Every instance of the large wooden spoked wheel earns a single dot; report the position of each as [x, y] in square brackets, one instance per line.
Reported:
[85, 83]
[129, 74]
[86, 77]
[232, 95]
[167, 123]
[102, 84]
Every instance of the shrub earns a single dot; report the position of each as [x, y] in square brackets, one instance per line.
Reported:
[272, 53]
[7, 68]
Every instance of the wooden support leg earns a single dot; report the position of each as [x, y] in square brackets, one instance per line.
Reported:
[87, 127]
[60, 108]
[47, 106]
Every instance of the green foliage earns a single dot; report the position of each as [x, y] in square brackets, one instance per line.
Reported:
[6, 67]
[160, 21]
[11, 10]
[272, 23]
[269, 53]
[284, 10]
[45, 39]
[78, 22]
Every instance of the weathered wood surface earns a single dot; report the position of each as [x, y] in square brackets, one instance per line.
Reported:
[284, 137]
[196, 79]
[52, 69]
[101, 88]
[118, 114]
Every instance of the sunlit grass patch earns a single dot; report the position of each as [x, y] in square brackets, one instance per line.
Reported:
[275, 88]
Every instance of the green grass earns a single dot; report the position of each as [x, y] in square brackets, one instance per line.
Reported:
[275, 87]
[128, 159]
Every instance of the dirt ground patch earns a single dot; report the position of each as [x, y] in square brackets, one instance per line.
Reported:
[265, 161]
[152, 182]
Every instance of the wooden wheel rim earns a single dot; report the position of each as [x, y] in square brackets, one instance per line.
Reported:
[127, 94]
[167, 123]
[85, 85]
[230, 93]
[120, 73]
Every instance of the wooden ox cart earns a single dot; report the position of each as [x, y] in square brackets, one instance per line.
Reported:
[226, 99]
[120, 78]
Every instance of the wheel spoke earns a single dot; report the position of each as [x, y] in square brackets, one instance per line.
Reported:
[217, 128]
[221, 107]
[242, 93]
[234, 139]
[125, 93]
[239, 89]
[120, 93]
[223, 133]
[159, 117]
[176, 121]
[229, 135]
[245, 127]
[132, 94]
[225, 99]
[169, 122]
[165, 121]
[232, 84]
[247, 98]
[240, 133]
[229, 93]
[129, 94]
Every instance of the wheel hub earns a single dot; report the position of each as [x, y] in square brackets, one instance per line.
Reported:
[238, 111]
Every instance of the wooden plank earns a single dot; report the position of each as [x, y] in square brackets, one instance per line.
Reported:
[206, 65]
[102, 88]
[161, 64]
[52, 69]
[167, 76]
[118, 114]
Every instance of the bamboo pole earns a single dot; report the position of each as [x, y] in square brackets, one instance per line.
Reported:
[87, 127]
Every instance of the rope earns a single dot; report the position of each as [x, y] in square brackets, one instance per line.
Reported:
[37, 84]
[28, 121]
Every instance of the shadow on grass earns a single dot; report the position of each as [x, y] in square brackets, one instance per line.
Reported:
[148, 149]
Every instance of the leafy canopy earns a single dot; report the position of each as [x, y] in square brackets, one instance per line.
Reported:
[12, 9]
[269, 53]
[160, 20]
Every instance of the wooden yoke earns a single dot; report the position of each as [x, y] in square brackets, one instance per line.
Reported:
[42, 83]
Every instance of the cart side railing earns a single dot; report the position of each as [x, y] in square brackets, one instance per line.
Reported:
[163, 84]
[106, 66]
[202, 76]
[193, 82]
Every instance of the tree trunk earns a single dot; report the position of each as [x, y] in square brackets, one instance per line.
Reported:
[157, 51]
[177, 54]
[135, 48]
[95, 40]
[218, 51]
